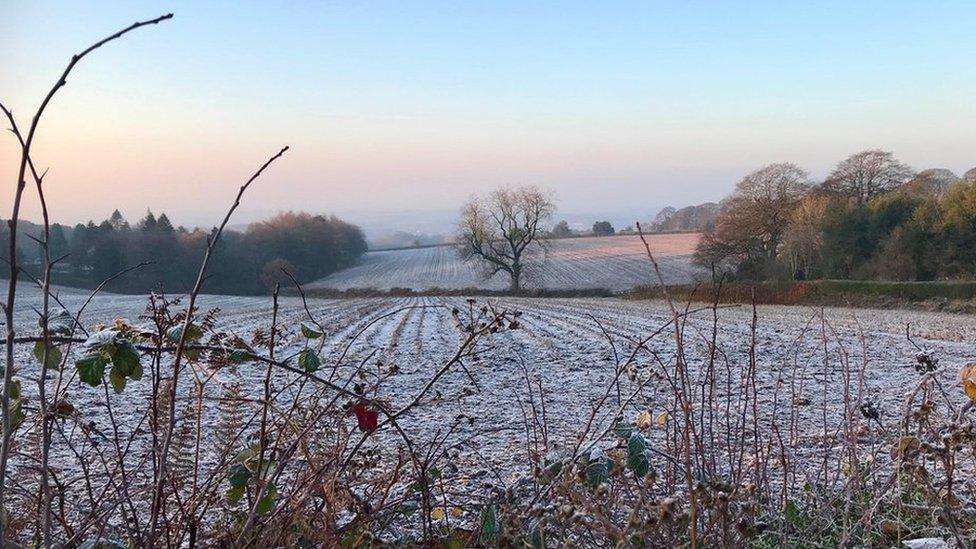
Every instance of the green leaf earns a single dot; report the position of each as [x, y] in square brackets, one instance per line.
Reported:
[454, 542]
[537, 535]
[792, 513]
[309, 361]
[267, 503]
[193, 333]
[125, 357]
[598, 469]
[91, 369]
[234, 494]
[623, 429]
[136, 373]
[53, 355]
[14, 387]
[552, 462]
[16, 413]
[239, 356]
[311, 331]
[239, 475]
[637, 455]
[60, 322]
[117, 378]
[102, 341]
[408, 508]
[489, 524]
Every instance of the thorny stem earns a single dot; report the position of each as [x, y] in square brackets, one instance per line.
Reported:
[686, 406]
[158, 497]
[8, 306]
[262, 479]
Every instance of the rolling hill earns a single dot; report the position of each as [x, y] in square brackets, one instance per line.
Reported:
[616, 263]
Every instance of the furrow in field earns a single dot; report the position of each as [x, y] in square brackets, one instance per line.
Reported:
[617, 263]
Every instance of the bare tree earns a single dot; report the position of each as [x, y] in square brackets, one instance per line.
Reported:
[496, 231]
[867, 174]
[752, 221]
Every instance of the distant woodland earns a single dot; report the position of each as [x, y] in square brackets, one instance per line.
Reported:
[871, 218]
[691, 218]
[249, 262]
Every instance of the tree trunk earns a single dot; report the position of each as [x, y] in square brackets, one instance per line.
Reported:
[516, 282]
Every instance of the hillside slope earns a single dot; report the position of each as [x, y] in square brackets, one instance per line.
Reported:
[615, 263]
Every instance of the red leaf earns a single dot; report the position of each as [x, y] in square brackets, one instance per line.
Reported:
[366, 416]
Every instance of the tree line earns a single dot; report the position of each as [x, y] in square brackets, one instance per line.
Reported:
[245, 262]
[871, 218]
[690, 218]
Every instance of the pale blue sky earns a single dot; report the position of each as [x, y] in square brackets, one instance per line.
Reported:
[618, 107]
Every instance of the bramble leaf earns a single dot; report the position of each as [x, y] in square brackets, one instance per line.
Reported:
[102, 342]
[193, 333]
[489, 524]
[637, 455]
[598, 469]
[311, 331]
[234, 494]
[125, 357]
[60, 322]
[552, 462]
[239, 356]
[643, 420]
[53, 355]
[239, 475]
[117, 378]
[267, 503]
[309, 361]
[367, 418]
[91, 369]
[136, 373]
[537, 534]
[622, 429]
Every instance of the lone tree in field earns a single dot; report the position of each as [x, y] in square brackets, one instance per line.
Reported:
[561, 230]
[495, 232]
[862, 176]
[603, 228]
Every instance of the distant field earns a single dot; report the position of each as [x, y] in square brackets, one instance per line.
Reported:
[616, 263]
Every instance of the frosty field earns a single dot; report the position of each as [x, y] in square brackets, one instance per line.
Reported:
[614, 263]
[561, 350]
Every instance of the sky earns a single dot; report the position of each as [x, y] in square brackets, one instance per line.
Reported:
[399, 110]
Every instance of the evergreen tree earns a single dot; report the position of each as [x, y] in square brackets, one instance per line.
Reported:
[148, 224]
[117, 221]
[163, 224]
[58, 243]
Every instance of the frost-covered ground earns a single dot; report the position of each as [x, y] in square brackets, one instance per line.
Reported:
[615, 263]
[565, 352]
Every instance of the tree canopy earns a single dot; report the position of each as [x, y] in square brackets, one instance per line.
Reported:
[603, 228]
[496, 232]
[870, 219]
[310, 246]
